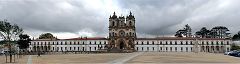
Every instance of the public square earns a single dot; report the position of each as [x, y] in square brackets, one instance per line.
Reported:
[118, 58]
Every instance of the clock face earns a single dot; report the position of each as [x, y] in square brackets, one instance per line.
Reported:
[122, 33]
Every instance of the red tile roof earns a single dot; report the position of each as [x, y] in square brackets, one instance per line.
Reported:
[180, 38]
[93, 38]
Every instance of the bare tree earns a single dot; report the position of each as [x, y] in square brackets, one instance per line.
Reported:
[9, 33]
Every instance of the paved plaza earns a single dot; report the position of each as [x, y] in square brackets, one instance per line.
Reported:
[118, 58]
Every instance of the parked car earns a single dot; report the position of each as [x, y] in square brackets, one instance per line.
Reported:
[227, 53]
[234, 53]
[238, 55]
[1, 52]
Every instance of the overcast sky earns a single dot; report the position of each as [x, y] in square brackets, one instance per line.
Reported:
[75, 18]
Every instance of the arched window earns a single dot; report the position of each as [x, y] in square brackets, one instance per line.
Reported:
[130, 23]
[175, 42]
[113, 23]
[130, 34]
[212, 43]
[113, 34]
[186, 42]
[170, 42]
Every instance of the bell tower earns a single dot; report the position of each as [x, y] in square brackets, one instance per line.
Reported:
[121, 33]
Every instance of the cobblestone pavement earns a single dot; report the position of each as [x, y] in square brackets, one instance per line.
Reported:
[119, 58]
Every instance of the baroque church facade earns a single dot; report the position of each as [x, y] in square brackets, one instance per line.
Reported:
[122, 38]
[122, 32]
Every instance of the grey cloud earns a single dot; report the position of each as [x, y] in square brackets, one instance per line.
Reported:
[153, 17]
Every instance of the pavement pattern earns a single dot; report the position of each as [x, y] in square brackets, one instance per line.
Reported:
[128, 58]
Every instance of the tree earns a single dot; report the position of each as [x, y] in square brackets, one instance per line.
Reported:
[235, 47]
[203, 33]
[219, 32]
[9, 33]
[185, 32]
[47, 36]
[236, 36]
[23, 42]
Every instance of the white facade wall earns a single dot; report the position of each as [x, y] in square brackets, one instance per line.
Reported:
[68, 45]
[140, 45]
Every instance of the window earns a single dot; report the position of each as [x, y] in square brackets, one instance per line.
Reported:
[175, 48]
[221, 42]
[166, 43]
[83, 49]
[90, 48]
[137, 48]
[181, 43]
[161, 43]
[152, 42]
[142, 42]
[95, 48]
[227, 42]
[186, 48]
[181, 49]
[95, 42]
[217, 43]
[170, 42]
[186, 42]
[191, 43]
[147, 48]
[191, 49]
[153, 48]
[147, 42]
[175, 42]
[166, 48]
[212, 43]
[170, 48]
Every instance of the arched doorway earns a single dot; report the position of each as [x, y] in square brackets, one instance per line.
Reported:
[121, 44]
